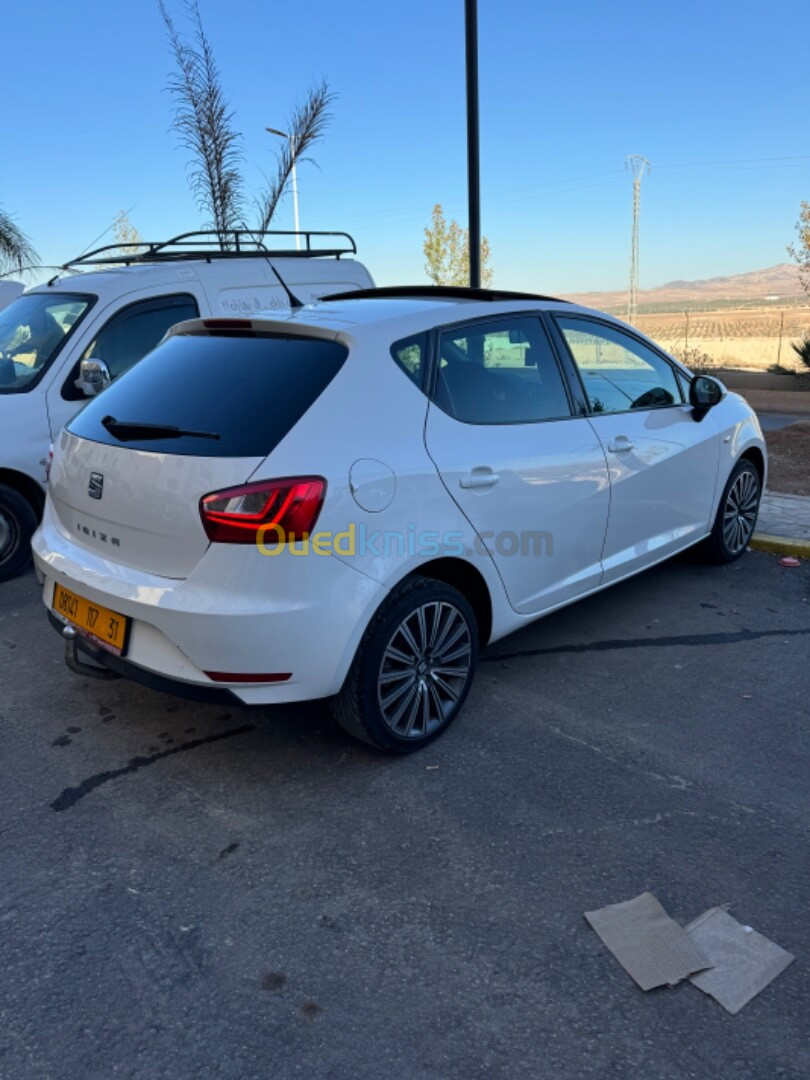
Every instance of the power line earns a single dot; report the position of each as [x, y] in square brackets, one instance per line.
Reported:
[501, 197]
[795, 159]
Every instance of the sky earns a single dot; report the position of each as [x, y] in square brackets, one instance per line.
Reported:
[714, 94]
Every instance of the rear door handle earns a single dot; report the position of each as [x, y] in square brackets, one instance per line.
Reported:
[620, 445]
[483, 479]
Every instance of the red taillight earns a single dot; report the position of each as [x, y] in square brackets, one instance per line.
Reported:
[48, 463]
[285, 509]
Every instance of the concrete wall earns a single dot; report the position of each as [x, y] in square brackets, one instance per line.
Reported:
[761, 380]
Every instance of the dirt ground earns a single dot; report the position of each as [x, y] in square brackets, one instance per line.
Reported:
[753, 338]
[789, 459]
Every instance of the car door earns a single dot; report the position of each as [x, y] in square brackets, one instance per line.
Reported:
[663, 464]
[530, 477]
[121, 341]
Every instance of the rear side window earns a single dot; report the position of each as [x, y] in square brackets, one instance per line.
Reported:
[249, 392]
[500, 372]
[410, 356]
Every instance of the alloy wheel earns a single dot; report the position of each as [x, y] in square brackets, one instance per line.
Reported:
[424, 670]
[740, 511]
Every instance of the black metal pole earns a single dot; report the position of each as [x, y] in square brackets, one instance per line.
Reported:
[473, 171]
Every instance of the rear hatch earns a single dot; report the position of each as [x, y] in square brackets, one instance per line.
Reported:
[198, 415]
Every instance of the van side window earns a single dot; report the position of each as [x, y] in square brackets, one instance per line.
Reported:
[132, 333]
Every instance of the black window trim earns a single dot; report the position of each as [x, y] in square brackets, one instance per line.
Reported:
[432, 367]
[681, 378]
[92, 300]
[73, 373]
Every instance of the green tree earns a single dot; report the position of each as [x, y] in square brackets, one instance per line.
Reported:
[447, 252]
[16, 250]
[800, 251]
[205, 123]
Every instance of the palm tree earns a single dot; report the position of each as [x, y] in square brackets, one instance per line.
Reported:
[204, 121]
[307, 124]
[16, 250]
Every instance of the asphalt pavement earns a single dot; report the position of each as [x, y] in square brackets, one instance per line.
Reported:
[189, 891]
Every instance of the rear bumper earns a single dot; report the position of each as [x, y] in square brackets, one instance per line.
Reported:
[238, 611]
[212, 695]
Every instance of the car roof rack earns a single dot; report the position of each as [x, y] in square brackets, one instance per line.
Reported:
[438, 292]
[210, 244]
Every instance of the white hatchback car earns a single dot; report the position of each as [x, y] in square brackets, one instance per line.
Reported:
[349, 500]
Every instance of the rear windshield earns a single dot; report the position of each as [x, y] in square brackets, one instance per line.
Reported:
[234, 396]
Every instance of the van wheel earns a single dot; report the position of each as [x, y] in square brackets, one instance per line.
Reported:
[413, 669]
[736, 515]
[17, 525]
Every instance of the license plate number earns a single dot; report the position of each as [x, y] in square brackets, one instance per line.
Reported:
[106, 628]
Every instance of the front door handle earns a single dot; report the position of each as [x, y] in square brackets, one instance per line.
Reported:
[620, 445]
[483, 478]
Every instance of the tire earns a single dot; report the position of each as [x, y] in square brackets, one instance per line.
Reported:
[421, 623]
[736, 514]
[18, 522]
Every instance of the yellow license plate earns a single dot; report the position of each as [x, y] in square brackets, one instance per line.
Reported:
[106, 628]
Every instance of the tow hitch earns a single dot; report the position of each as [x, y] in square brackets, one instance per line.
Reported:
[90, 671]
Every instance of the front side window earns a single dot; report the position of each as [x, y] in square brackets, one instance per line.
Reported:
[137, 329]
[32, 331]
[619, 373]
[500, 372]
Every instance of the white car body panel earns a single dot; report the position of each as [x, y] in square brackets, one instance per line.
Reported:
[25, 436]
[237, 611]
[149, 513]
[662, 490]
[9, 291]
[552, 480]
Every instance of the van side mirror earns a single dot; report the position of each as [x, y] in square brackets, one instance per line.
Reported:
[704, 393]
[94, 376]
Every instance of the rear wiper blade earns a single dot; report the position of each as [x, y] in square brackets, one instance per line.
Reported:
[131, 430]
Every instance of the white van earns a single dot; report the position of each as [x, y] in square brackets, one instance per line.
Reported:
[9, 291]
[63, 342]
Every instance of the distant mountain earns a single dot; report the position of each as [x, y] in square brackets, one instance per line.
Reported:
[780, 282]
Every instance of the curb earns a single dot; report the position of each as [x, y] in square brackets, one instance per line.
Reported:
[780, 545]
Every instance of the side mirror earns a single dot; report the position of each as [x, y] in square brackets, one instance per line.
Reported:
[704, 393]
[94, 376]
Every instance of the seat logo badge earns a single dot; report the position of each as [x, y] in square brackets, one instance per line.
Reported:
[95, 487]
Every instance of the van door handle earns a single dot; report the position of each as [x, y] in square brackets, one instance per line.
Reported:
[620, 445]
[483, 478]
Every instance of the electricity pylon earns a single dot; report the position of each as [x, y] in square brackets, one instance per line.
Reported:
[637, 165]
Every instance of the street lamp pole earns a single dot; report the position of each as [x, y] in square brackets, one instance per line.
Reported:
[473, 168]
[293, 180]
